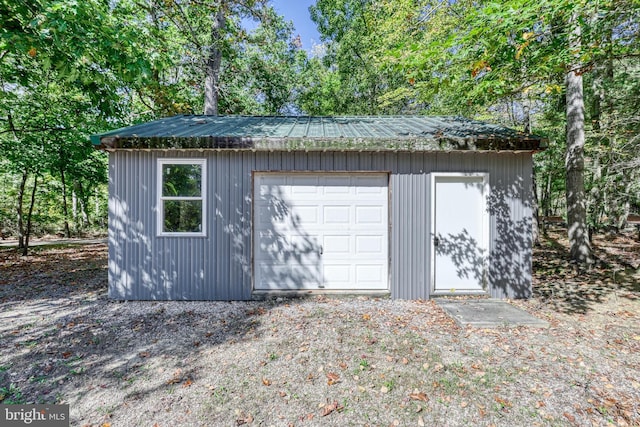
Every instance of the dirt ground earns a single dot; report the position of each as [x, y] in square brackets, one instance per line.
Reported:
[321, 361]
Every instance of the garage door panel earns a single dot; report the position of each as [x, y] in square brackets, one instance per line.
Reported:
[305, 191]
[268, 214]
[336, 214]
[338, 275]
[336, 244]
[285, 276]
[303, 249]
[306, 215]
[370, 215]
[272, 181]
[285, 218]
[332, 225]
[368, 274]
[365, 181]
[302, 183]
[370, 244]
[336, 185]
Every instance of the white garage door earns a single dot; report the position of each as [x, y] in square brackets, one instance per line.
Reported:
[321, 231]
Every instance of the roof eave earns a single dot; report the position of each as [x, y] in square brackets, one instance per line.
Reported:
[114, 142]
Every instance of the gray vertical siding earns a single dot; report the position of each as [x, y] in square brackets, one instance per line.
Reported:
[219, 265]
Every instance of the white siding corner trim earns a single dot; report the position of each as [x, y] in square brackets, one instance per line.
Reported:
[161, 199]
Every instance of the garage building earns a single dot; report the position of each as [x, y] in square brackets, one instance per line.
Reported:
[239, 207]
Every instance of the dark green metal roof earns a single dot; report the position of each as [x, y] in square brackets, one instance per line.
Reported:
[376, 133]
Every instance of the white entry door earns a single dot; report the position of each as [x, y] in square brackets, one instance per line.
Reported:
[460, 236]
[321, 231]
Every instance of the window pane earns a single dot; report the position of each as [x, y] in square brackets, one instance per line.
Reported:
[181, 180]
[182, 216]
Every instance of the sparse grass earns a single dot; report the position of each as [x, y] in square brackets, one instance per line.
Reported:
[11, 395]
[397, 362]
[38, 379]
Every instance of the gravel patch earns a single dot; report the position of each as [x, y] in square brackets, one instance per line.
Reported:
[305, 362]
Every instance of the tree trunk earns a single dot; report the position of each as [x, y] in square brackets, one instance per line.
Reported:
[214, 61]
[536, 216]
[23, 183]
[74, 206]
[96, 194]
[580, 248]
[65, 210]
[82, 199]
[526, 110]
[29, 215]
[19, 210]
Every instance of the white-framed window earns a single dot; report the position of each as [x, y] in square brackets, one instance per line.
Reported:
[182, 197]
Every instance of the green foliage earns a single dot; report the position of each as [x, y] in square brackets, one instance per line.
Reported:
[69, 69]
[506, 62]
[353, 77]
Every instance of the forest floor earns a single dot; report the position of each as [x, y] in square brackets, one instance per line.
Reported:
[321, 361]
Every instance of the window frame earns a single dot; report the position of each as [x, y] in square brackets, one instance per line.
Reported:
[162, 199]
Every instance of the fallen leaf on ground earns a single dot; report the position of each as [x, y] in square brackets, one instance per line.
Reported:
[177, 377]
[331, 407]
[266, 381]
[504, 403]
[248, 419]
[419, 396]
[482, 411]
[332, 378]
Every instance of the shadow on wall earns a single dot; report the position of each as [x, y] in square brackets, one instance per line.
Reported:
[287, 256]
[130, 257]
[143, 267]
[509, 266]
[510, 206]
[465, 253]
